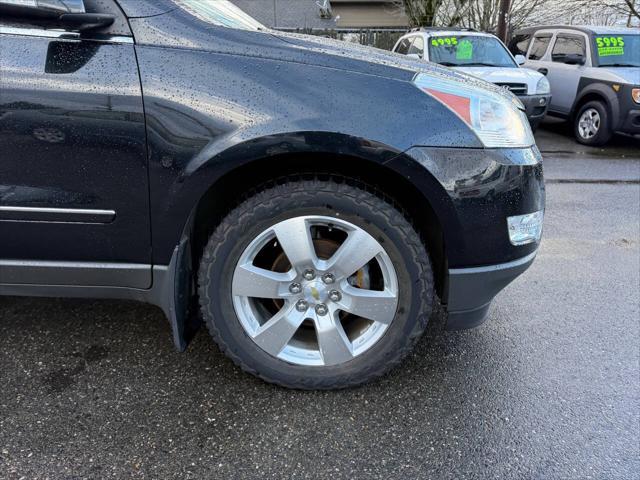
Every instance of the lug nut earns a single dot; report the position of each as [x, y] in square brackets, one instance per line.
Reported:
[335, 296]
[328, 278]
[295, 288]
[309, 274]
[302, 305]
[321, 309]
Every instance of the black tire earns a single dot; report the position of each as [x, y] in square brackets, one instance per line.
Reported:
[361, 206]
[604, 132]
[534, 125]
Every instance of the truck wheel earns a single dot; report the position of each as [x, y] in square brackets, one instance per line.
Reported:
[592, 125]
[315, 284]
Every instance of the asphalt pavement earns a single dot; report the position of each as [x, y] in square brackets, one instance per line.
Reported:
[548, 388]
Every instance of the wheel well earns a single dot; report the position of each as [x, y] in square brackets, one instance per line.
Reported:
[589, 97]
[241, 183]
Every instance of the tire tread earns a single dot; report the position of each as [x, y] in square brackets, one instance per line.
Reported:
[266, 198]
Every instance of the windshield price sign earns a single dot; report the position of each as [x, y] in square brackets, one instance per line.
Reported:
[444, 41]
[463, 48]
[609, 46]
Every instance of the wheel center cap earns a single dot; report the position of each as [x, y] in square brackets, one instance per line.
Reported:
[315, 292]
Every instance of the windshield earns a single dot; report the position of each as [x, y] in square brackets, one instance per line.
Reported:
[221, 13]
[617, 50]
[469, 51]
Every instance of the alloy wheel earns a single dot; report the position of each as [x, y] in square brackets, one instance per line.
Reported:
[589, 123]
[315, 290]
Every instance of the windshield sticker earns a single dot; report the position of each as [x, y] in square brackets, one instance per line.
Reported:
[610, 46]
[465, 50]
[444, 41]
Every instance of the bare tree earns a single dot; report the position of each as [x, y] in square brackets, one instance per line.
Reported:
[427, 13]
[503, 11]
[634, 9]
[629, 8]
[453, 12]
[421, 13]
[522, 12]
[484, 14]
[593, 12]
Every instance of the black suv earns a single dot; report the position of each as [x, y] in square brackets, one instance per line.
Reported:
[309, 200]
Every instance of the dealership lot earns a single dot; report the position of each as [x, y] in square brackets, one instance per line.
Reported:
[547, 388]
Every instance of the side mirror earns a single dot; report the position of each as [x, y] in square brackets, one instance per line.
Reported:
[520, 59]
[574, 59]
[414, 56]
[69, 14]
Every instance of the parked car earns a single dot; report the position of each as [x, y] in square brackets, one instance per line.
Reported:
[308, 199]
[484, 56]
[594, 74]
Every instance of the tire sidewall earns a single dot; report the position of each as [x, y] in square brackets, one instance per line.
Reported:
[340, 206]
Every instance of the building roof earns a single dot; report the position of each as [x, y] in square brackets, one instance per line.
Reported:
[286, 14]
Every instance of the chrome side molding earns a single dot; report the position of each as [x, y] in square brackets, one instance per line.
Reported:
[63, 34]
[58, 215]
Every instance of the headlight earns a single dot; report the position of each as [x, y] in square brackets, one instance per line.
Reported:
[635, 94]
[543, 87]
[497, 120]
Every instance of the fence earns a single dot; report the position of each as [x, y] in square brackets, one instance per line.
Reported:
[380, 38]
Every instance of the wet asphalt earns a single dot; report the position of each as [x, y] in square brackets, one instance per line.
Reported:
[548, 388]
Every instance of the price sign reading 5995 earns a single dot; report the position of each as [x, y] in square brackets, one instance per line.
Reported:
[609, 42]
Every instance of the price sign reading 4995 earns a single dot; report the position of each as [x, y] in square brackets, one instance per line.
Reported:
[444, 41]
[608, 46]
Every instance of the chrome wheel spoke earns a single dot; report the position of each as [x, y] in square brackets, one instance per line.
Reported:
[252, 281]
[295, 239]
[379, 306]
[274, 335]
[334, 344]
[357, 250]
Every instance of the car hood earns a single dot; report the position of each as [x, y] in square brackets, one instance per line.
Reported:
[620, 74]
[505, 75]
[176, 28]
[348, 55]
[355, 51]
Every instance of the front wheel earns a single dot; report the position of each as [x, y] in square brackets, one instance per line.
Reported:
[592, 125]
[316, 285]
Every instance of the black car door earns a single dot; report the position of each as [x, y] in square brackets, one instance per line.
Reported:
[73, 161]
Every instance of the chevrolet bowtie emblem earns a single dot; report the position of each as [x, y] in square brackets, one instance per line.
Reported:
[315, 293]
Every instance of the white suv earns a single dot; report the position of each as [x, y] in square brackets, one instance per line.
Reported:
[482, 55]
[594, 74]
